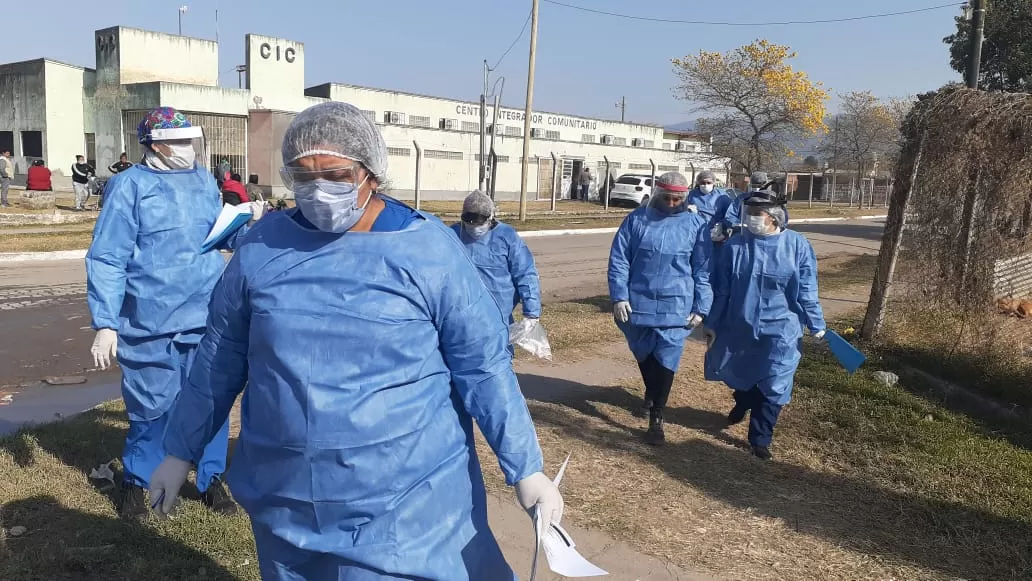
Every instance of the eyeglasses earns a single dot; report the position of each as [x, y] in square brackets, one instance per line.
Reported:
[293, 175]
[474, 219]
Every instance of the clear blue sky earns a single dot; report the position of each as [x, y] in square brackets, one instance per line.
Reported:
[585, 61]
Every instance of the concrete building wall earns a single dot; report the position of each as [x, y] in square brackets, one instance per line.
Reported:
[22, 106]
[146, 56]
[214, 100]
[65, 136]
[275, 73]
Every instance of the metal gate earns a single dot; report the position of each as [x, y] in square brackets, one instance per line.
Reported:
[225, 137]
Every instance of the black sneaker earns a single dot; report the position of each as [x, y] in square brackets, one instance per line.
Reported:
[655, 435]
[736, 416]
[134, 504]
[762, 453]
[218, 500]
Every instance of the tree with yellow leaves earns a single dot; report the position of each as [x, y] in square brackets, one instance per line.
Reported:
[752, 102]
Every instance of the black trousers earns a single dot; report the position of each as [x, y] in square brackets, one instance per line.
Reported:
[658, 381]
[763, 415]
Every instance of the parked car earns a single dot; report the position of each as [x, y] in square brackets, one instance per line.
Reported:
[631, 189]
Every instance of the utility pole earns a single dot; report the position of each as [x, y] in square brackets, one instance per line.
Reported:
[622, 105]
[494, 161]
[977, 32]
[182, 11]
[528, 111]
[482, 181]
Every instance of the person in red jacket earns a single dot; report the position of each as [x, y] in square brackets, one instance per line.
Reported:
[233, 191]
[38, 178]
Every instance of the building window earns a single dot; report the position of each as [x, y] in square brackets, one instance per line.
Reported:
[535, 132]
[649, 144]
[7, 141]
[615, 165]
[667, 168]
[619, 141]
[421, 121]
[587, 138]
[440, 154]
[498, 158]
[371, 115]
[91, 149]
[681, 146]
[639, 166]
[393, 118]
[399, 151]
[637, 142]
[448, 124]
[500, 130]
[531, 160]
[607, 139]
[514, 131]
[552, 135]
[471, 127]
[32, 143]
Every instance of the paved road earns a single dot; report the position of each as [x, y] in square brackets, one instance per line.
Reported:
[44, 322]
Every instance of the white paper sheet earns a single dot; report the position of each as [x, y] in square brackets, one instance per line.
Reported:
[560, 550]
[229, 217]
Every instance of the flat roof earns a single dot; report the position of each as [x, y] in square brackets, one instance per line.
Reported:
[47, 60]
[421, 95]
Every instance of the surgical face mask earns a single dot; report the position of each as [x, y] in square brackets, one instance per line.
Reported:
[706, 188]
[477, 232]
[758, 225]
[330, 206]
[180, 156]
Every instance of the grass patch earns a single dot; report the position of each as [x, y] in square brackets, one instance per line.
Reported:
[841, 272]
[46, 242]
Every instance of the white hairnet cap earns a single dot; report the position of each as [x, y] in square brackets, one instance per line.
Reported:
[337, 129]
[477, 202]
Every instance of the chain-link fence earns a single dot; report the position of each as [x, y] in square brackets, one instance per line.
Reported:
[954, 286]
[831, 190]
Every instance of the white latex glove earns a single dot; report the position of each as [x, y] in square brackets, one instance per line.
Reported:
[717, 233]
[165, 483]
[819, 335]
[622, 311]
[105, 348]
[692, 208]
[257, 211]
[711, 337]
[538, 490]
[693, 321]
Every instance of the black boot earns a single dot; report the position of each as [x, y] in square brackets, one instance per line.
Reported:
[218, 500]
[762, 452]
[655, 435]
[737, 415]
[134, 505]
[645, 409]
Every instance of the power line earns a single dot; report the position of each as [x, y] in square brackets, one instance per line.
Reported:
[783, 23]
[506, 53]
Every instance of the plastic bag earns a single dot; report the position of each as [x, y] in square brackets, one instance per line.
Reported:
[530, 335]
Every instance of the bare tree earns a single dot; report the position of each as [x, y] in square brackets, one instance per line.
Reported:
[865, 132]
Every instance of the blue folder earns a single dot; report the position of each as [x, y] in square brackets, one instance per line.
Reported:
[848, 356]
[231, 228]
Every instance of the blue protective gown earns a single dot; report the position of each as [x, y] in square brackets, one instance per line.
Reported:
[367, 356]
[713, 206]
[507, 268]
[148, 280]
[659, 263]
[764, 293]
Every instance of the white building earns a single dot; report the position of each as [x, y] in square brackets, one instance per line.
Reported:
[54, 111]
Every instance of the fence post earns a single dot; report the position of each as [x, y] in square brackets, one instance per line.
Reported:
[606, 183]
[555, 167]
[493, 158]
[889, 253]
[653, 177]
[811, 189]
[419, 160]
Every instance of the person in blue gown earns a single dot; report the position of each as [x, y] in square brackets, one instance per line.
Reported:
[369, 346]
[502, 258]
[659, 285]
[148, 288]
[764, 294]
[709, 201]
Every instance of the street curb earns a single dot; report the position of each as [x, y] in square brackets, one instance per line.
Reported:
[81, 254]
[573, 232]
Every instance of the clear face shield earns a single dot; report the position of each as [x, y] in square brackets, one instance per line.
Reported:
[181, 147]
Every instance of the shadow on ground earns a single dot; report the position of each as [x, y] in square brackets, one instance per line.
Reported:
[932, 534]
[64, 544]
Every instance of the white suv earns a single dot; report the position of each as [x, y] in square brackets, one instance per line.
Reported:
[631, 189]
